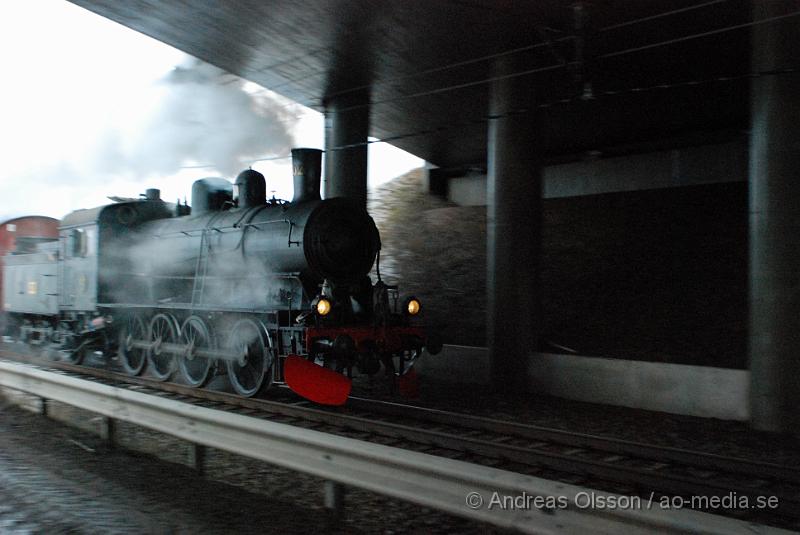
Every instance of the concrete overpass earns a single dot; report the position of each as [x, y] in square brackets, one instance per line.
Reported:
[507, 87]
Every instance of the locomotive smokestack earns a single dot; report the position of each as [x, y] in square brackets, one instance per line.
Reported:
[306, 166]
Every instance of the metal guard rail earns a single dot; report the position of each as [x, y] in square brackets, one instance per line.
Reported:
[423, 479]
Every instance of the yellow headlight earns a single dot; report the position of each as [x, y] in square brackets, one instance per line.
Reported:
[413, 307]
[323, 307]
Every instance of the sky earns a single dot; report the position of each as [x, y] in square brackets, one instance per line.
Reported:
[90, 109]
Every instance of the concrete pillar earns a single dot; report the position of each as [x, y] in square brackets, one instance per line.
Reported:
[346, 123]
[775, 226]
[514, 219]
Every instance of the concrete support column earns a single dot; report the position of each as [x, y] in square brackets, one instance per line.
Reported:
[775, 226]
[514, 220]
[346, 123]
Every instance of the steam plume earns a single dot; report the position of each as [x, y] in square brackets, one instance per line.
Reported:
[208, 118]
[202, 116]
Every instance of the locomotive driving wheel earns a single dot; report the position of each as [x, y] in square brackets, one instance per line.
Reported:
[163, 330]
[195, 335]
[250, 370]
[132, 358]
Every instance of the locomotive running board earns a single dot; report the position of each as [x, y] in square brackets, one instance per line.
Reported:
[316, 383]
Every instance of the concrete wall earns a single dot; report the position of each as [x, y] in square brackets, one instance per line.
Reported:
[469, 190]
[706, 164]
[674, 388]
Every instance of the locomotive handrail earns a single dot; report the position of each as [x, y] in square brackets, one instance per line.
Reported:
[218, 277]
[291, 228]
[284, 220]
[219, 229]
[444, 484]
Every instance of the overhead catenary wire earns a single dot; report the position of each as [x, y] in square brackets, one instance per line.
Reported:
[264, 159]
[525, 48]
[484, 58]
[701, 34]
[521, 111]
[610, 93]
[661, 15]
[556, 66]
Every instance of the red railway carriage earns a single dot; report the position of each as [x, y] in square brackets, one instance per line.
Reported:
[33, 227]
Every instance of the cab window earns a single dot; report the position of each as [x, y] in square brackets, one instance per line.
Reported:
[77, 245]
[90, 237]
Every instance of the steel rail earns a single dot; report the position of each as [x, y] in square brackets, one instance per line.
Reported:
[617, 446]
[427, 480]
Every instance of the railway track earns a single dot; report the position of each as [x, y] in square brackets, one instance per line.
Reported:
[620, 466]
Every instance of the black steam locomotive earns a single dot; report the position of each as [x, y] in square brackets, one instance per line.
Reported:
[261, 290]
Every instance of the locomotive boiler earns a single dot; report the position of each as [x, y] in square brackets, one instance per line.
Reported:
[258, 289]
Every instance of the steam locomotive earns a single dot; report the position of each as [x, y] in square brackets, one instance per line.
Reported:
[260, 290]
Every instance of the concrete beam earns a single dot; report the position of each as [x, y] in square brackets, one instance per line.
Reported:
[688, 166]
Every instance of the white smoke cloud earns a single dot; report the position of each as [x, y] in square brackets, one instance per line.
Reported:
[195, 115]
[206, 117]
